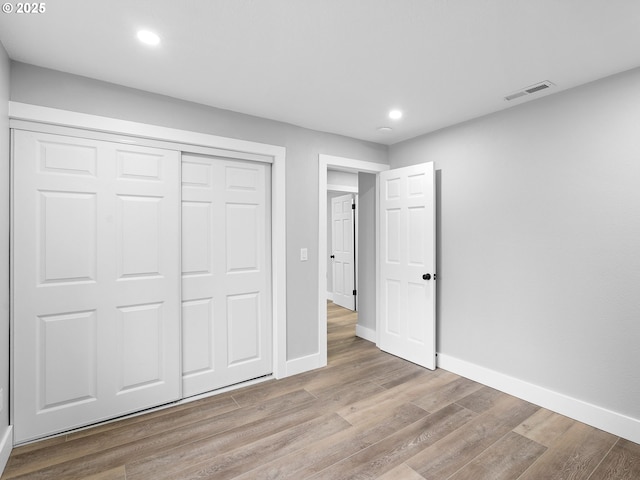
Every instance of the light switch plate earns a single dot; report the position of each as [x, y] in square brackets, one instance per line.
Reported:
[303, 255]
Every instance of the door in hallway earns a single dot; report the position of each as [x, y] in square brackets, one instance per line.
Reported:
[343, 250]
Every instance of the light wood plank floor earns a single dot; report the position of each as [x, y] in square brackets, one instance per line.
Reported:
[366, 415]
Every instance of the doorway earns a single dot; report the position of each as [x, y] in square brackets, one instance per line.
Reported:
[330, 163]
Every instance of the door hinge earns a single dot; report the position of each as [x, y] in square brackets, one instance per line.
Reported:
[354, 292]
[353, 206]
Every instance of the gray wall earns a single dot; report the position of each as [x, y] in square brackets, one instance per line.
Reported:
[539, 263]
[4, 239]
[35, 85]
[367, 254]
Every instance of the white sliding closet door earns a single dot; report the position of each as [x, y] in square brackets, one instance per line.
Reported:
[226, 272]
[96, 269]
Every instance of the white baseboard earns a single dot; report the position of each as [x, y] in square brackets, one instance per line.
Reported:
[366, 333]
[303, 364]
[330, 296]
[6, 445]
[607, 420]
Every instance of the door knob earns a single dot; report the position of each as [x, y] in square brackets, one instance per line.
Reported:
[426, 276]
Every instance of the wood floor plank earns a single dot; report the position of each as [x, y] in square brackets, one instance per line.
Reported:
[317, 456]
[250, 455]
[174, 460]
[574, 456]
[223, 402]
[622, 463]
[401, 472]
[61, 466]
[448, 393]
[480, 400]
[138, 428]
[262, 392]
[403, 375]
[545, 427]
[360, 412]
[118, 473]
[46, 443]
[317, 380]
[452, 453]
[387, 454]
[351, 373]
[504, 460]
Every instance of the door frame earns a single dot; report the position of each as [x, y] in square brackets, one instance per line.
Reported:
[125, 131]
[348, 165]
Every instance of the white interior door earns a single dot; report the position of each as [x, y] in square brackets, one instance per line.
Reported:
[342, 241]
[407, 263]
[96, 281]
[226, 272]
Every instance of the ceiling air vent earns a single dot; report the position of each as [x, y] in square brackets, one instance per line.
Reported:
[529, 90]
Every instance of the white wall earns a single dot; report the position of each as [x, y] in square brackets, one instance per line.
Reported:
[342, 179]
[539, 257]
[39, 86]
[4, 256]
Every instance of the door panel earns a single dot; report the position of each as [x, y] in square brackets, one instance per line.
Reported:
[96, 277]
[140, 330]
[342, 250]
[198, 244]
[198, 334]
[138, 239]
[62, 212]
[407, 251]
[67, 379]
[243, 327]
[227, 333]
[243, 237]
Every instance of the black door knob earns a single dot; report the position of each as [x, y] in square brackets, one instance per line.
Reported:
[426, 276]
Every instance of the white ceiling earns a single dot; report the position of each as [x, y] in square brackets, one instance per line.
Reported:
[336, 65]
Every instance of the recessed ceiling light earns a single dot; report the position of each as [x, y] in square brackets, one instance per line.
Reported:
[150, 38]
[395, 114]
[384, 129]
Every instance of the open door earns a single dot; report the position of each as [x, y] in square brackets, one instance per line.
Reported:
[343, 253]
[406, 259]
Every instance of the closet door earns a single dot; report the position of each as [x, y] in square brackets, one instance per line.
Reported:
[96, 270]
[226, 272]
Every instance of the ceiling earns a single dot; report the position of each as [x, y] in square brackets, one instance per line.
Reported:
[336, 65]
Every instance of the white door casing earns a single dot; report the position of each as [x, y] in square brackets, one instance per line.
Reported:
[342, 239]
[226, 272]
[96, 281]
[407, 263]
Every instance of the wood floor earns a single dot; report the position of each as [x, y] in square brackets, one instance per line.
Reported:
[367, 415]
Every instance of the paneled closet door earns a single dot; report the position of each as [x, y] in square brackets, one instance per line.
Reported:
[226, 272]
[96, 270]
